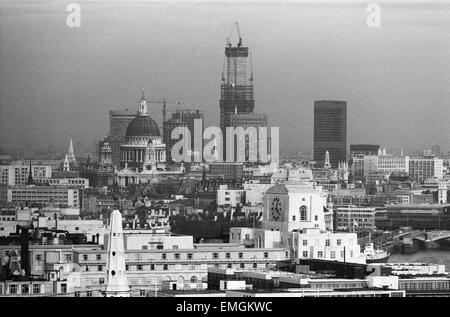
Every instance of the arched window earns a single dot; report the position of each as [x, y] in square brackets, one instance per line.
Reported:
[303, 213]
[193, 279]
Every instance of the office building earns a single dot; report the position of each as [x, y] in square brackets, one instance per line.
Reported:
[17, 175]
[363, 149]
[118, 124]
[236, 90]
[182, 118]
[330, 131]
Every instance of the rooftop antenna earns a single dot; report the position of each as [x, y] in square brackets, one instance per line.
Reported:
[251, 67]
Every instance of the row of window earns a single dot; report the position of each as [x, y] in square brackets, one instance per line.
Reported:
[332, 254]
[177, 256]
[24, 288]
[165, 267]
[327, 242]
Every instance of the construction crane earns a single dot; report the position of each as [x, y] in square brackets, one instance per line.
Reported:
[164, 102]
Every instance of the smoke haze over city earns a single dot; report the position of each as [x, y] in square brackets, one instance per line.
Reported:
[58, 82]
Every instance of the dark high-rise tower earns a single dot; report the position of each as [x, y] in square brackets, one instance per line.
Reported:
[330, 130]
[236, 90]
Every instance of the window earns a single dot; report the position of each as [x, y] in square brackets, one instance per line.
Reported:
[77, 293]
[305, 242]
[38, 257]
[342, 254]
[100, 268]
[293, 218]
[142, 292]
[333, 254]
[177, 256]
[164, 256]
[266, 255]
[316, 217]
[227, 255]
[351, 253]
[327, 242]
[159, 247]
[303, 213]
[240, 255]
[242, 265]
[85, 257]
[165, 267]
[63, 288]
[189, 256]
[98, 257]
[13, 289]
[247, 237]
[68, 257]
[215, 255]
[101, 280]
[145, 247]
[320, 254]
[89, 294]
[25, 289]
[229, 265]
[152, 267]
[338, 241]
[305, 254]
[139, 267]
[193, 279]
[255, 265]
[127, 267]
[175, 247]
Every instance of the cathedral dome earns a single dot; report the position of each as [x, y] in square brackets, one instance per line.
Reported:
[142, 126]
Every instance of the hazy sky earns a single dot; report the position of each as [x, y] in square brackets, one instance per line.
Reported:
[57, 82]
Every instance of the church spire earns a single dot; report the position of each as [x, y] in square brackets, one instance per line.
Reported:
[30, 180]
[71, 153]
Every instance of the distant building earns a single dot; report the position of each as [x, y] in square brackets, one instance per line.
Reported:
[363, 149]
[330, 131]
[43, 195]
[236, 89]
[354, 218]
[118, 123]
[17, 175]
[421, 168]
[181, 118]
[246, 120]
[81, 183]
[226, 170]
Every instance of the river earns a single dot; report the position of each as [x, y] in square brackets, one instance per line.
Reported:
[435, 256]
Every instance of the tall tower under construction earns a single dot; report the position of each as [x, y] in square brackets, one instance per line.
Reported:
[236, 90]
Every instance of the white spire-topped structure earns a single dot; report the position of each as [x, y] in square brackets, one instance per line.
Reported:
[142, 110]
[327, 160]
[71, 153]
[66, 166]
[116, 280]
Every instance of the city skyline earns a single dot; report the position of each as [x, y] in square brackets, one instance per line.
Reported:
[50, 97]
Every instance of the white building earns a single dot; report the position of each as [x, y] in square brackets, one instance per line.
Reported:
[294, 218]
[232, 197]
[421, 168]
[254, 192]
[387, 163]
